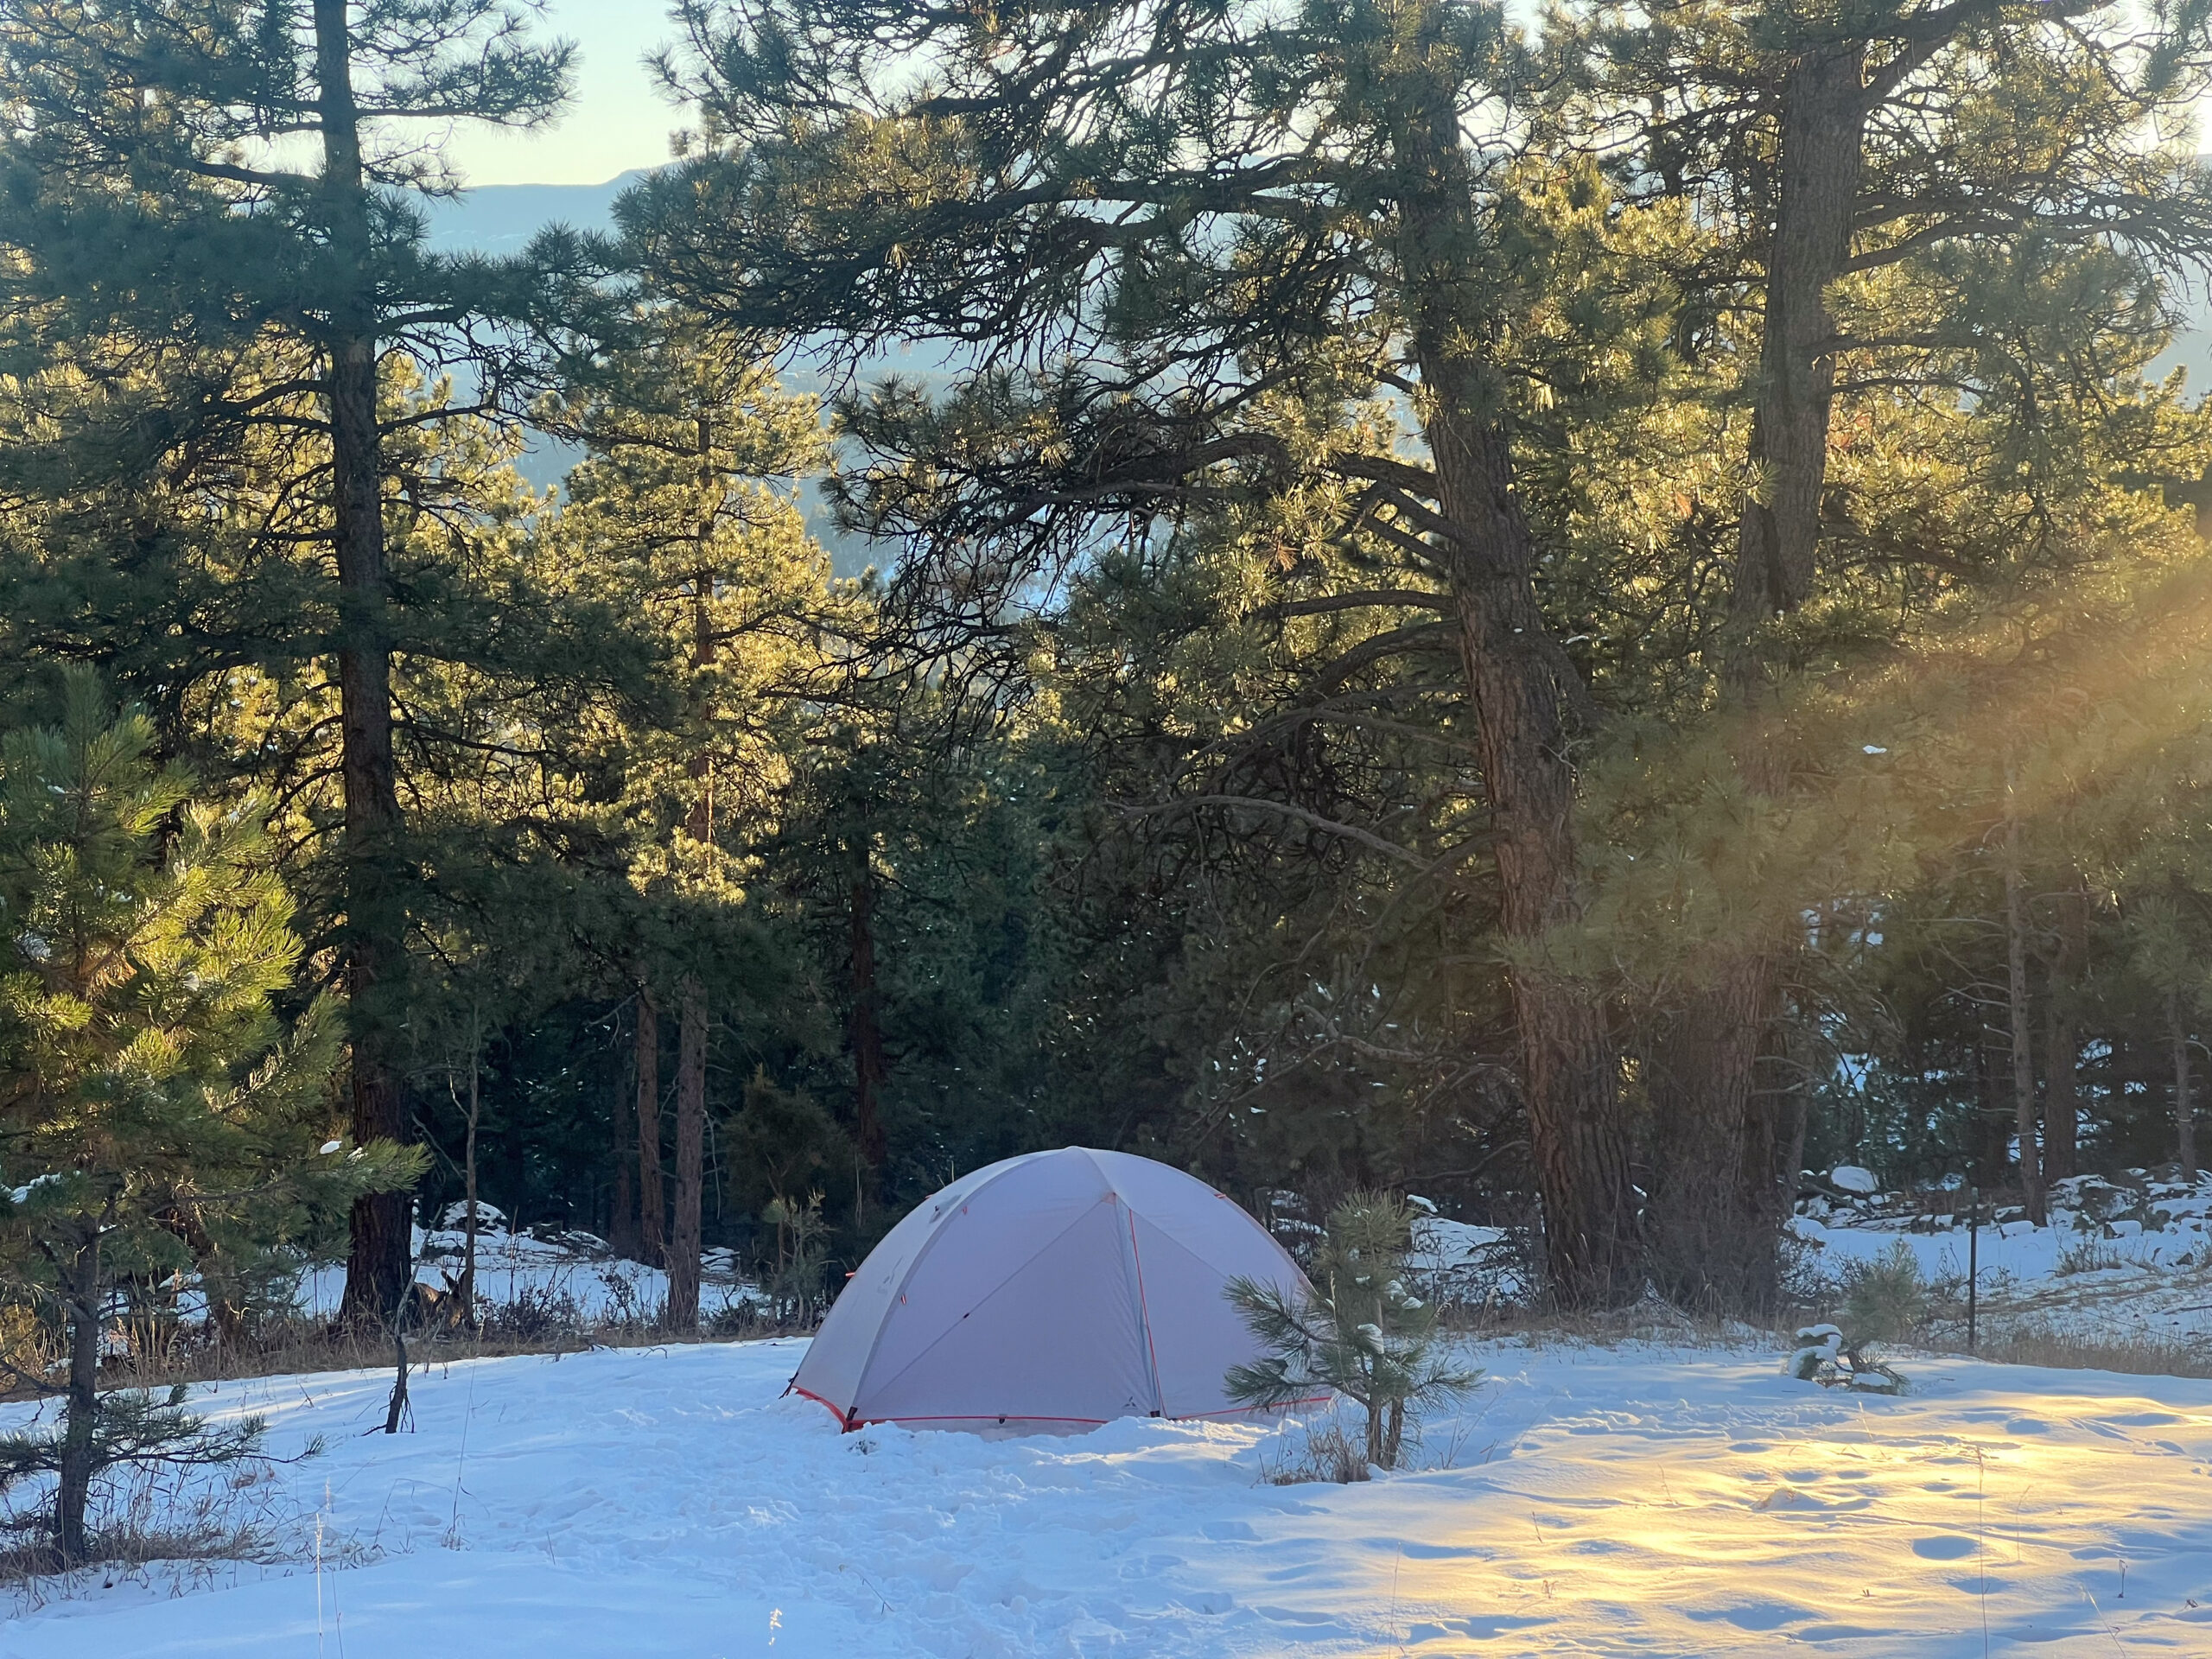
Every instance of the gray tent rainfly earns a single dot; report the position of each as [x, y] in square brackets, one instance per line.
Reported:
[1058, 1290]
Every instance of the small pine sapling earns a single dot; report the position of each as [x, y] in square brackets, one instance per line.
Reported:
[1362, 1334]
[161, 1120]
[1885, 1300]
[778, 1143]
[797, 1287]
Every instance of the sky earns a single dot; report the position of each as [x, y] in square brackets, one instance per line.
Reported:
[616, 121]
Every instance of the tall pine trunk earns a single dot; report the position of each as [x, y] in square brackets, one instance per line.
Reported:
[652, 1215]
[2062, 1095]
[690, 1153]
[467, 1291]
[2062, 1100]
[622, 1202]
[1519, 682]
[1722, 1205]
[2184, 1104]
[1717, 1199]
[2021, 1025]
[866, 1032]
[81, 1405]
[1569, 1065]
[682, 1316]
[1823, 136]
[378, 1267]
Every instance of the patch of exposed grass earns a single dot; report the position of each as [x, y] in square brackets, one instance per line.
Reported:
[179, 1524]
[535, 1323]
[2136, 1356]
[2091, 1254]
[1650, 1322]
[2002, 1342]
[1323, 1451]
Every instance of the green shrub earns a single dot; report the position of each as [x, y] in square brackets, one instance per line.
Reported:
[1362, 1334]
[1884, 1300]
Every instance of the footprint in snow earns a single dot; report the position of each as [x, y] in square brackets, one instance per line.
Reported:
[1943, 1546]
[1756, 1615]
[1211, 1602]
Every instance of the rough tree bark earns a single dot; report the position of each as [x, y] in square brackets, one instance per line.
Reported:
[382, 1247]
[622, 1203]
[1824, 109]
[683, 1317]
[81, 1288]
[1520, 685]
[1717, 1195]
[467, 1290]
[652, 1215]
[1719, 1203]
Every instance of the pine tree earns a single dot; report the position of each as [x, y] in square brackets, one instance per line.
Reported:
[202, 184]
[1147, 224]
[159, 1119]
[675, 513]
[1892, 182]
[1364, 1334]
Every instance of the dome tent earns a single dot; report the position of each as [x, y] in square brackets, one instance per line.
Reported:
[1057, 1290]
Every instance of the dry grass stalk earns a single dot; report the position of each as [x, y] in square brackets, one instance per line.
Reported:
[2135, 1356]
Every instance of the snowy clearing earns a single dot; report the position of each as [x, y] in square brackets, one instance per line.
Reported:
[1638, 1500]
[571, 1271]
[2115, 1264]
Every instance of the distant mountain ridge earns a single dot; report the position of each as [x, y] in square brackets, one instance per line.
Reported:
[502, 218]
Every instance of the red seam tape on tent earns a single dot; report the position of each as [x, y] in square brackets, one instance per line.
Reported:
[849, 1424]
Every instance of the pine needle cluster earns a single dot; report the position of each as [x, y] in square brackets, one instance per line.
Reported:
[164, 1129]
[1363, 1334]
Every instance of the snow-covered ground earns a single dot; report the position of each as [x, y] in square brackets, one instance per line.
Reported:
[1464, 1267]
[2145, 1271]
[2116, 1262]
[1639, 1500]
[570, 1272]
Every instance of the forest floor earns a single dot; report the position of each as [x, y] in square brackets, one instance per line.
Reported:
[2140, 1279]
[1644, 1497]
[571, 1279]
[1648, 1487]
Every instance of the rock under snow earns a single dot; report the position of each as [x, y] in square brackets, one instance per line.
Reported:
[1457, 1264]
[487, 1216]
